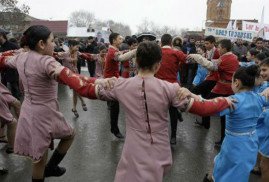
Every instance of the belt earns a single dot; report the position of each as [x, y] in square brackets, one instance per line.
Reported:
[246, 133]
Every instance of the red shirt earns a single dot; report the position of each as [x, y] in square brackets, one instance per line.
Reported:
[126, 66]
[172, 60]
[229, 64]
[213, 75]
[112, 66]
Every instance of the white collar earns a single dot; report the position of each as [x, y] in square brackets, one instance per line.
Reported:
[114, 47]
[166, 47]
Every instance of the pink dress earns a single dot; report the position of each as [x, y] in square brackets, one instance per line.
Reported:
[68, 62]
[40, 120]
[99, 67]
[146, 155]
[6, 99]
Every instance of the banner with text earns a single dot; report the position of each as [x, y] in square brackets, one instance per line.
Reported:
[230, 34]
[254, 27]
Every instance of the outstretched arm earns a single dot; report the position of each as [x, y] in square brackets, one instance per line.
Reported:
[203, 107]
[88, 56]
[209, 65]
[125, 56]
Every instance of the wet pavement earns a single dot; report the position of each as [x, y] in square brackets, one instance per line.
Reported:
[95, 153]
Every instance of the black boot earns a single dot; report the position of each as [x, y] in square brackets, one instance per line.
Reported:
[206, 179]
[117, 133]
[52, 168]
[173, 140]
[37, 180]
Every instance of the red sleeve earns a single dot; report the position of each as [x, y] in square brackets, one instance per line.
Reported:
[75, 81]
[8, 53]
[86, 56]
[2, 64]
[208, 107]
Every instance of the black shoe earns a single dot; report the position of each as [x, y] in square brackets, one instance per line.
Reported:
[56, 171]
[256, 171]
[118, 135]
[9, 151]
[206, 179]
[3, 171]
[206, 125]
[37, 180]
[218, 144]
[52, 168]
[173, 141]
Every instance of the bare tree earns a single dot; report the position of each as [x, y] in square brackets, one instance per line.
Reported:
[13, 17]
[82, 18]
[150, 26]
[145, 26]
[118, 27]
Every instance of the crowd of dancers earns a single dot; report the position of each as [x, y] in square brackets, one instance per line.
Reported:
[148, 88]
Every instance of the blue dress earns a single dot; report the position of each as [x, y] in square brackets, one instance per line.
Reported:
[261, 87]
[262, 125]
[200, 75]
[247, 64]
[239, 149]
[264, 133]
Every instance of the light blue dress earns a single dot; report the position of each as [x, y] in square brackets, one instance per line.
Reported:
[261, 88]
[262, 125]
[200, 75]
[239, 149]
[247, 64]
[263, 133]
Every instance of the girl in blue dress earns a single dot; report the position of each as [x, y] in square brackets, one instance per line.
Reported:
[201, 71]
[239, 150]
[263, 125]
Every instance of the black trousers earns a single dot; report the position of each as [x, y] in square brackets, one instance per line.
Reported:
[14, 86]
[114, 116]
[91, 68]
[204, 88]
[206, 120]
[173, 119]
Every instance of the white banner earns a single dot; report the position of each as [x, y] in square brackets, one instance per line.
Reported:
[254, 27]
[230, 34]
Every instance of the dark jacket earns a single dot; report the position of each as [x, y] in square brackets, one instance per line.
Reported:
[11, 75]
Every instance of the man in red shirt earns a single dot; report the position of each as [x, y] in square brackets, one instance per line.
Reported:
[226, 65]
[114, 56]
[172, 61]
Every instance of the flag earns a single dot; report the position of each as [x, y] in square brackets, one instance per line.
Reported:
[261, 26]
[230, 25]
[235, 25]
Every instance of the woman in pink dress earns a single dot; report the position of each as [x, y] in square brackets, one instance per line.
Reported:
[99, 58]
[69, 60]
[146, 154]
[40, 119]
[6, 118]
[100, 61]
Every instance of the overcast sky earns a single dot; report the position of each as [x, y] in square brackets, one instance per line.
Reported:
[176, 13]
